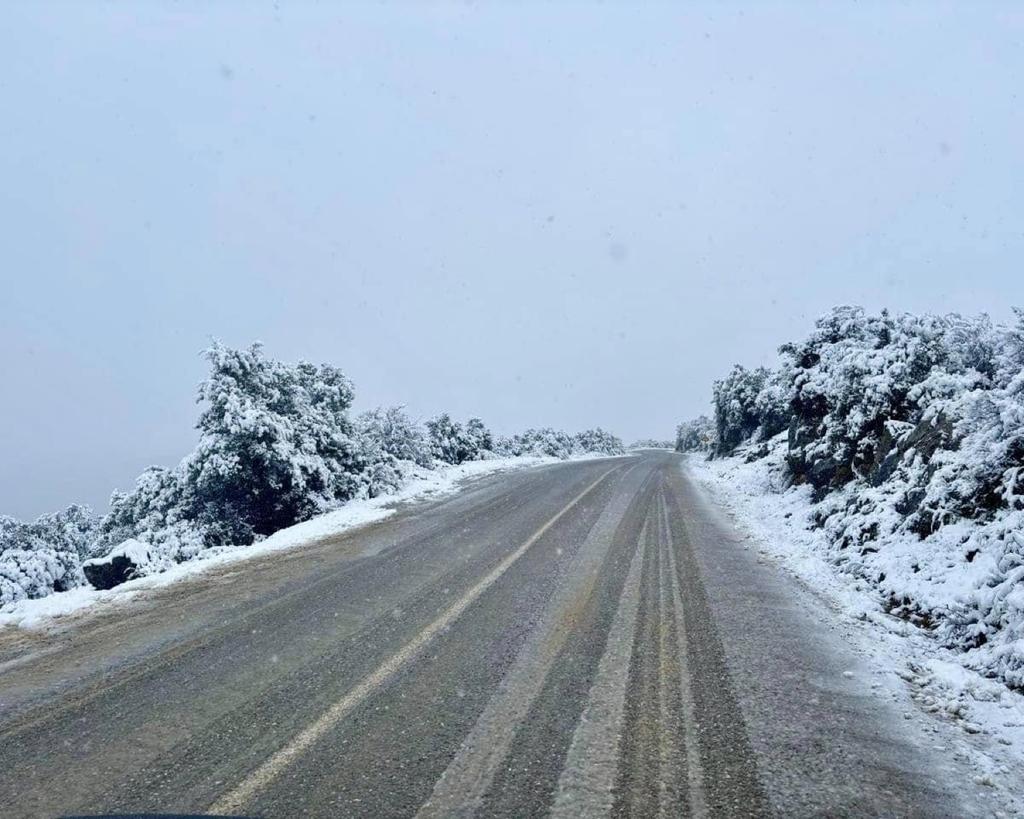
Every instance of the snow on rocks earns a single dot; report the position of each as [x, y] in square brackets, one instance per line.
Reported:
[125, 562]
[40, 557]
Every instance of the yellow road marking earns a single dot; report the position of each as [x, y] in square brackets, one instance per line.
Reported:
[276, 764]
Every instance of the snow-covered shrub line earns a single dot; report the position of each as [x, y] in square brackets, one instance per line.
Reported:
[276, 447]
[908, 432]
[651, 443]
[434, 482]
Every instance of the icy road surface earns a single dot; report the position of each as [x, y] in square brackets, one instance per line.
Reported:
[583, 639]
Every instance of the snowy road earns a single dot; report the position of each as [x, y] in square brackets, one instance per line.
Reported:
[584, 639]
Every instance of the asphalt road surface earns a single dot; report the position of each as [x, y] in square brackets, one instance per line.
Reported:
[584, 639]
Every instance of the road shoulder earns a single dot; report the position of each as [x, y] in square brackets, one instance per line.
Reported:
[819, 683]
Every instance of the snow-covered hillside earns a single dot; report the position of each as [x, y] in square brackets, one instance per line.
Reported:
[902, 437]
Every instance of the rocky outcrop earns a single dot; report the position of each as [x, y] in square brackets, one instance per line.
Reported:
[813, 464]
[809, 462]
[899, 438]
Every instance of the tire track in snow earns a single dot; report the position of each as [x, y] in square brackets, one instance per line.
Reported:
[244, 791]
[585, 785]
[461, 788]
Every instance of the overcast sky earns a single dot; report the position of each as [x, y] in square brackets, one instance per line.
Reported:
[542, 215]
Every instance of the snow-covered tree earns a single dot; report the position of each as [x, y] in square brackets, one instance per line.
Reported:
[749, 404]
[276, 445]
[447, 439]
[39, 558]
[697, 435]
[391, 430]
[391, 445]
[478, 438]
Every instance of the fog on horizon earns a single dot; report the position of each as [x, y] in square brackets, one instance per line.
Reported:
[564, 216]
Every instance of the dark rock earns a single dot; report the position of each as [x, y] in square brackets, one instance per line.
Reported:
[892, 441]
[925, 439]
[928, 436]
[820, 470]
[110, 573]
[122, 564]
[887, 457]
[911, 501]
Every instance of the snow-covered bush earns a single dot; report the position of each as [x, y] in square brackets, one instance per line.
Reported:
[159, 510]
[392, 445]
[697, 435]
[651, 443]
[544, 441]
[453, 443]
[985, 470]
[749, 404]
[924, 406]
[910, 430]
[557, 444]
[39, 558]
[479, 440]
[597, 441]
[859, 382]
[391, 430]
[446, 437]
